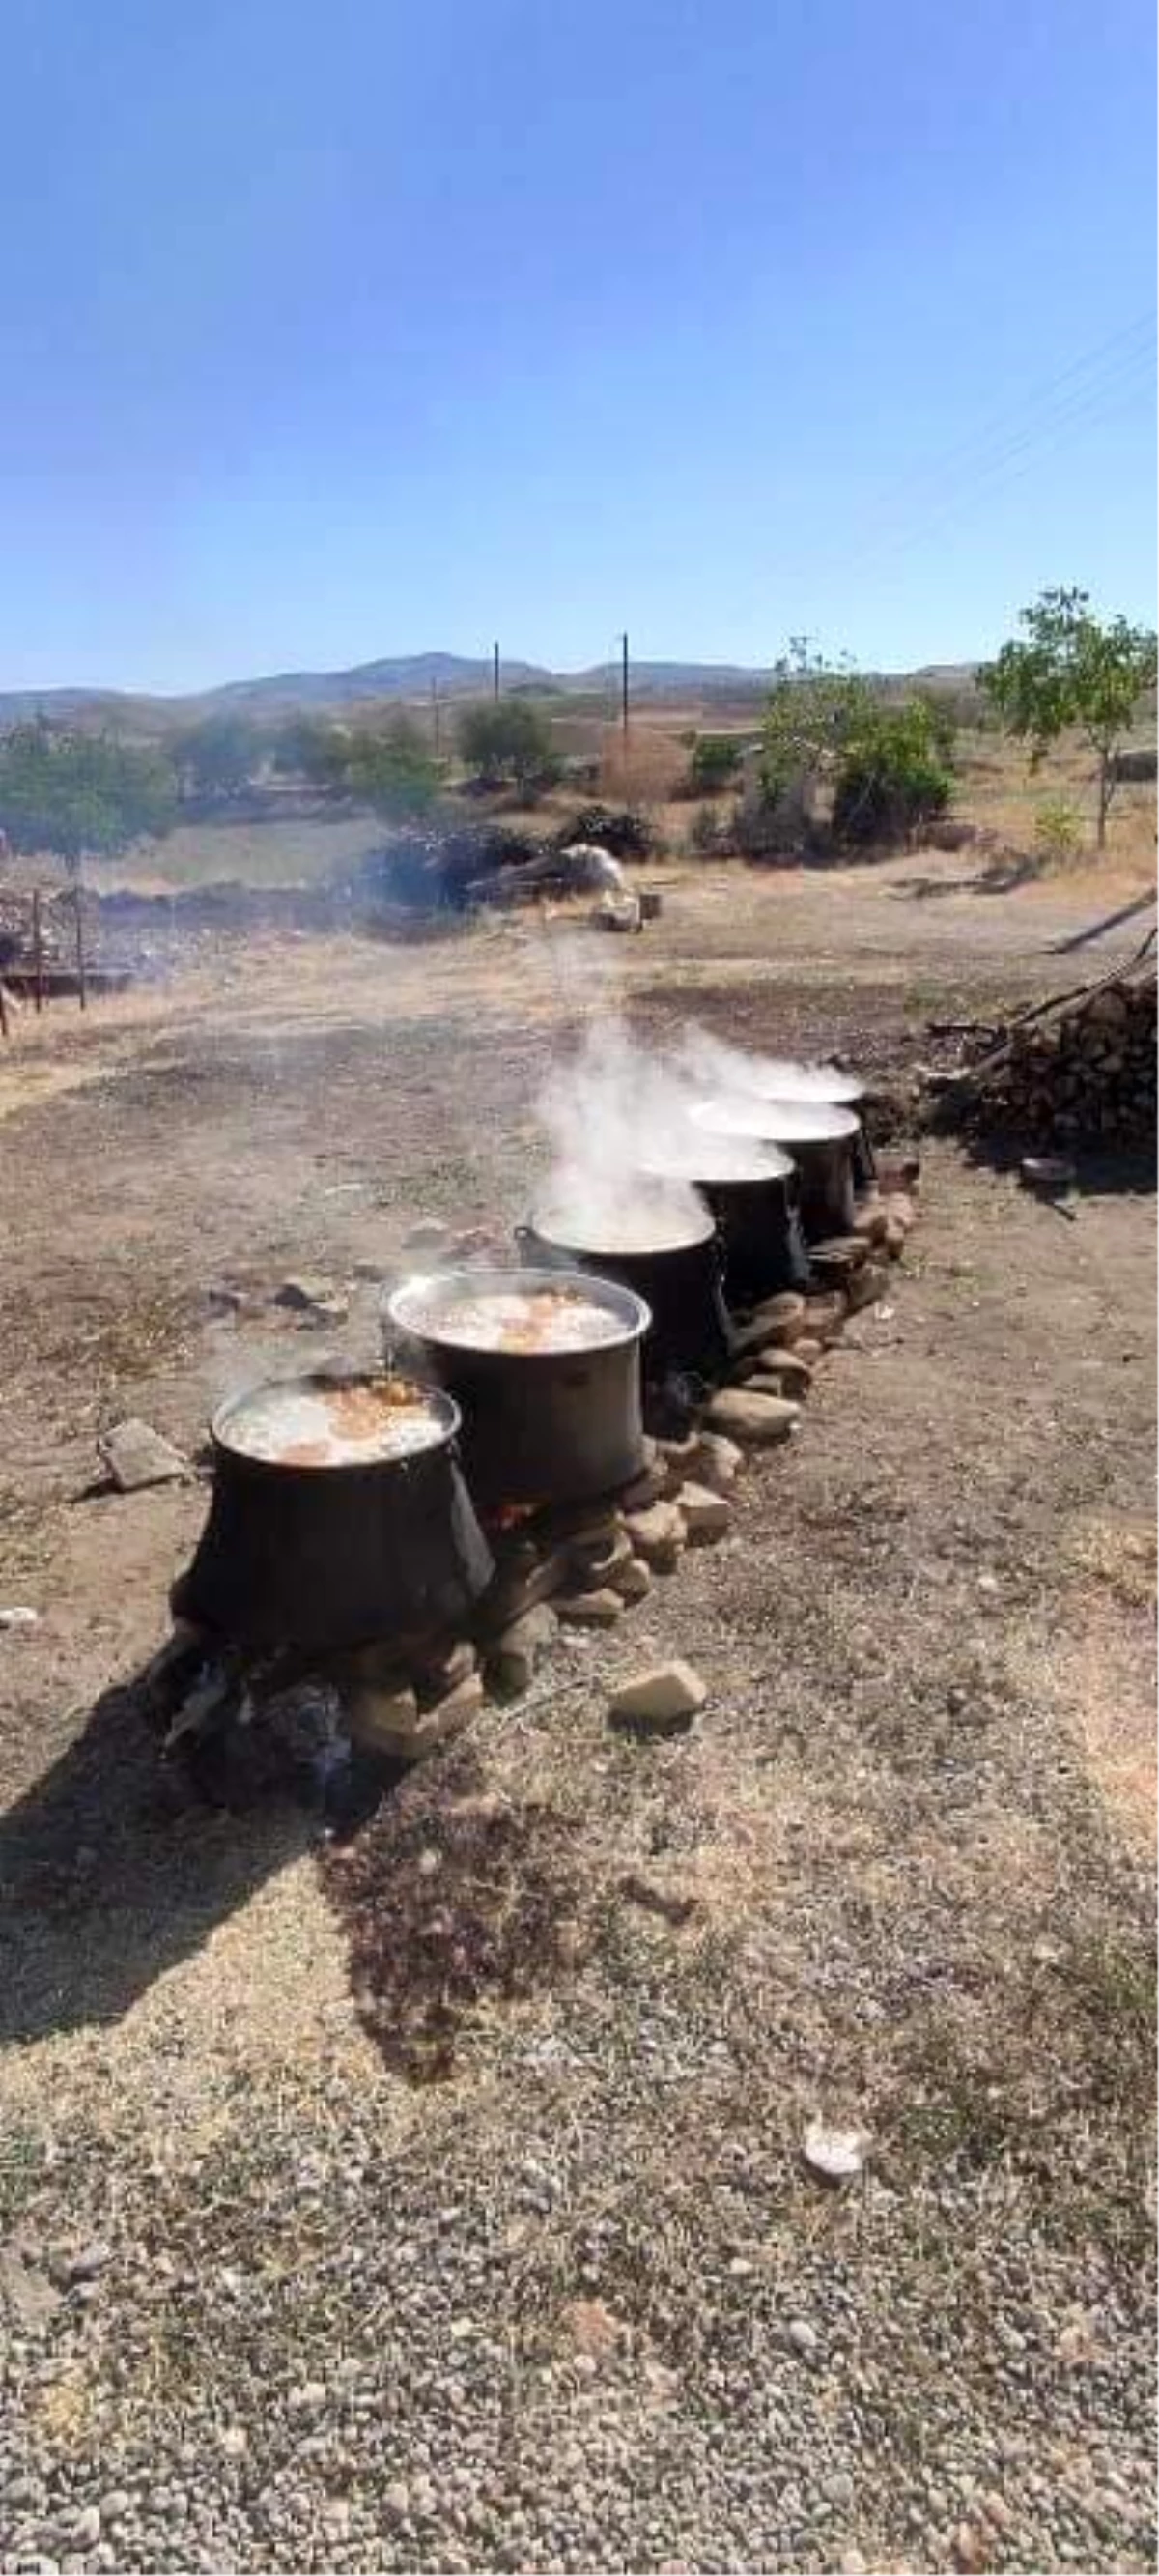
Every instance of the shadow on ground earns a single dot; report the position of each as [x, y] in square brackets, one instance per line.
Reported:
[1001, 876]
[120, 1862]
[1098, 1174]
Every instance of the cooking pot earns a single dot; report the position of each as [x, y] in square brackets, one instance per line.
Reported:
[769, 1078]
[332, 1555]
[751, 1189]
[679, 1276]
[820, 1137]
[539, 1426]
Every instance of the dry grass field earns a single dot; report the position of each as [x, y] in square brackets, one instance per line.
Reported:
[582, 2304]
[995, 790]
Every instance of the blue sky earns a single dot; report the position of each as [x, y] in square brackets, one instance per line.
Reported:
[335, 332]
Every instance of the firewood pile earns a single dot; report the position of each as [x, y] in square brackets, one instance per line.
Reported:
[1079, 1070]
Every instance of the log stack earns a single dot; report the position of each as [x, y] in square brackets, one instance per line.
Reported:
[1082, 1076]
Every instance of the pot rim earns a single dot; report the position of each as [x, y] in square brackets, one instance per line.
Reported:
[311, 1381]
[543, 1232]
[775, 1180]
[633, 1313]
[819, 1085]
[780, 1122]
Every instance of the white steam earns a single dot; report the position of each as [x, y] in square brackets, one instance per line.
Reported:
[791, 1122]
[712, 1065]
[626, 1149]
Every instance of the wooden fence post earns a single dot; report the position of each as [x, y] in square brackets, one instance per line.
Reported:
[80, 949]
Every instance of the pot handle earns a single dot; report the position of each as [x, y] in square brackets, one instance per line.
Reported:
[536, 1254]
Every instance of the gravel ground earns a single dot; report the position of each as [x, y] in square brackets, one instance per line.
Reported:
[269, 2305]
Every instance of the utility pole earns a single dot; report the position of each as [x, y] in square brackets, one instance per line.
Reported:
[436, 714]
[495, 681]
[624, 688]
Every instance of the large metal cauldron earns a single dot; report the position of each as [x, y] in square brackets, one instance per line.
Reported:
[819, 1135]
[828, 1085]
[326, 1556]
[539, 1426]
[680, 1280]
[754, 1203]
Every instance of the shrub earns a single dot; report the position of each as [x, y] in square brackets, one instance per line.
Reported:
[776, 828]
[715, 763]
[392, 771]
[1058, 831]
[892, 774]
[218, 757]
[78, 794]
[709, 834]
[508, 743]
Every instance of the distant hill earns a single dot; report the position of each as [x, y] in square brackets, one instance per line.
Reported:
[406, 676]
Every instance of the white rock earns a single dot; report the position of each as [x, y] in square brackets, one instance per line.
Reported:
[657, 1534]
[718, 1461]
[665, 1697]
[761, 1420]
[705, 1515]
[135, 1455]
[839, 2154]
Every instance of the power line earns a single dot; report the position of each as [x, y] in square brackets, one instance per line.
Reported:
[1019, 456]
[1100, 364]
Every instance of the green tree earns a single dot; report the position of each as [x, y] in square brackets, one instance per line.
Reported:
[219, 755]
[392, 770]
[1070, 670]
[507, 742]
[305, 746]
[813, 708]
[77, 794]
[715, 762]
[893, 772]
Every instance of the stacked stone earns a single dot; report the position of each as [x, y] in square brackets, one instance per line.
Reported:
[584, 1565]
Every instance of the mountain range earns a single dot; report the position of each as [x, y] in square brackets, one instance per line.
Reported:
[407, 676]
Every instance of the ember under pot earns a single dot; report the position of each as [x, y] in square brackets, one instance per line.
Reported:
[544, 1365]
[339, 1517]
[820, 1137]
[674, 1263]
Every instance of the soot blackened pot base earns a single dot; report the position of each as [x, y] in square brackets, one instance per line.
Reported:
[538, 1426]
[325, 1557]
[763, 1248]
[828, 1200]
[681, 1284]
